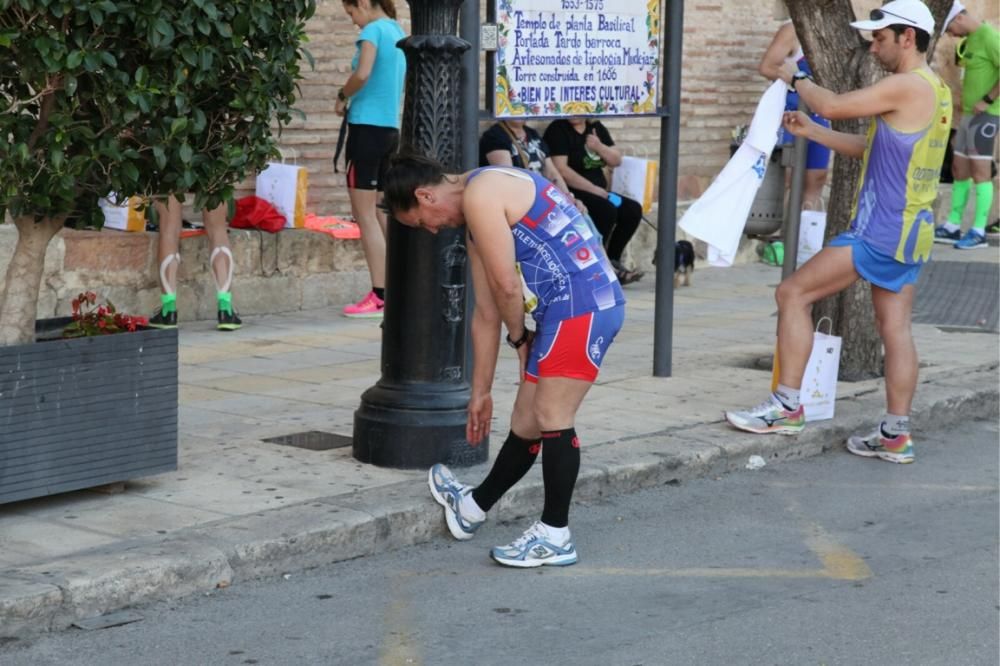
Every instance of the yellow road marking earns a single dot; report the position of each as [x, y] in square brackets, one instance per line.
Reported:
[400, 647]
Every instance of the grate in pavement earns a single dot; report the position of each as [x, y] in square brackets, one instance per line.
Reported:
[959, 295]
[314, 440]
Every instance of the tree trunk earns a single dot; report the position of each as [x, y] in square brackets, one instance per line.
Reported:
[839, 58]
[19, 299]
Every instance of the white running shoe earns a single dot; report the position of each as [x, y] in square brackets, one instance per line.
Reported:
[534, 549]
[449, 492]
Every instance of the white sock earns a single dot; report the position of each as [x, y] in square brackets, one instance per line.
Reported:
[895, 424]
[467, 505]
[559, 535]
[951, 227]
[788, 397]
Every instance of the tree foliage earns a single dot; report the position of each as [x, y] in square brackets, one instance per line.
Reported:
[148, 97]
[141, 97]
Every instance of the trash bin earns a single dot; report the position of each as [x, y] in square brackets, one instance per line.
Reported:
[767, 213]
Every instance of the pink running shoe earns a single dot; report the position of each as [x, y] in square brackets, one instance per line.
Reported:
[369, 307]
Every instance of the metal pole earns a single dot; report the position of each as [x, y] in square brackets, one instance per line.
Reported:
[469, 31]
[415, 415]
[793, 214]
[670, 130]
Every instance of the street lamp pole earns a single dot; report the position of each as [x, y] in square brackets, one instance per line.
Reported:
[415, 415]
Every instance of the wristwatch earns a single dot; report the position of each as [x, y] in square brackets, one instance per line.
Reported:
[987, 98]
[517, 344]
[796, 77]
[341, 96]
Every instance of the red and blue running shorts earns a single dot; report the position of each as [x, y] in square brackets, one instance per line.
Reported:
[573, 348]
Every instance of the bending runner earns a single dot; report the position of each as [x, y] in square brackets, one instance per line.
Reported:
[529, 249]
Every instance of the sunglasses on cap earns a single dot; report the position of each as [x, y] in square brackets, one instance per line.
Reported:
[879, 14]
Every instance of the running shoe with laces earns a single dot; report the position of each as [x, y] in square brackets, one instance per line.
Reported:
[535, 548]
[163, 319]
[228, 320]
[898, 449]
[942, 235]
[971, 240]
[769, 417]
[448, 492]
[369, 307]
[993, 230]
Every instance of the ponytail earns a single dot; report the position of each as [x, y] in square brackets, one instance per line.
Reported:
[388, 6]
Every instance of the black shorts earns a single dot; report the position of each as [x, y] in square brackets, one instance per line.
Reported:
[369, 148]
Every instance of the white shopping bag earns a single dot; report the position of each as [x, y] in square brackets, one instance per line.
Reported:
[285, 186]
[819, 383]
[635, 178]
[812, 226]
[818, 393]
[126, 216]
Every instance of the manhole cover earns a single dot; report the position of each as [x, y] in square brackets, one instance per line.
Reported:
[958, 296]
[314, 440]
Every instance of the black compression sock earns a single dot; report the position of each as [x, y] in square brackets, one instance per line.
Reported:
[380, 292]
[514, 460]
[560, 466]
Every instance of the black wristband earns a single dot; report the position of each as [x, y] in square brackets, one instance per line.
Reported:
[987, 98]
[341, 96]
[517, 344]
[798, 76]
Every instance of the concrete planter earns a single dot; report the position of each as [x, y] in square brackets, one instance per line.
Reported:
[86, 412]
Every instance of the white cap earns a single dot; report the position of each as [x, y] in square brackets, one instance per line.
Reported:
[956, 9]
[907, 13]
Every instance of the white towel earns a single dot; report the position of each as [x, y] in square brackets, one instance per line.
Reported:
[720, 213]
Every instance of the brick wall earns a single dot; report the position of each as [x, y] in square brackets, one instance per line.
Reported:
[723, 42]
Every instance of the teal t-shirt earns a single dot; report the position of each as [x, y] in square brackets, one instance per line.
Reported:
[378, 101]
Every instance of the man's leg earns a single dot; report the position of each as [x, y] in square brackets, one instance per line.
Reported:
[556, 403]
[548, 542]
[517, 454]
[829, 272]
[465, 507]
[891, 440]
[893, 311]
[168, 258]
[221, 264]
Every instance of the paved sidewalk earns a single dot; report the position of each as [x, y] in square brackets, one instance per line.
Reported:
[239, 507]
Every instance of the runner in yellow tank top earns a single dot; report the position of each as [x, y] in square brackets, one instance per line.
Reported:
[891, 230]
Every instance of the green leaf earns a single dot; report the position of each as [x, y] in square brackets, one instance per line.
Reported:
[160, 156]
[178, 125]
[186, 153]
[74, 59]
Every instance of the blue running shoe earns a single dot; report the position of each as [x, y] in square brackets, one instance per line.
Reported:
[448, 492]
[942, 235]
[535, 548]
[971, 241]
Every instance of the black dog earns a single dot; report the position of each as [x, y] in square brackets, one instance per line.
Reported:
[683, 263]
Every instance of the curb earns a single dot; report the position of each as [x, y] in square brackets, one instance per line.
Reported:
[323, 531]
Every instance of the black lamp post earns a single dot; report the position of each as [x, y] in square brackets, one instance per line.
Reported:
[415, 415]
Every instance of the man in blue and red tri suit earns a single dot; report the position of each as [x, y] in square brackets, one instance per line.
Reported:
[530, 250]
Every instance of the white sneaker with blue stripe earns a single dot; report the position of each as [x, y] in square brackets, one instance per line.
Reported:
[536, 548]
[448, 492]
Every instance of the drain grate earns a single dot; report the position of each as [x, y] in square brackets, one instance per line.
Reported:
[314, 440]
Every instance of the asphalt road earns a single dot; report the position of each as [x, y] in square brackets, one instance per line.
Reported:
[832, 560]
